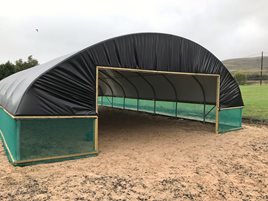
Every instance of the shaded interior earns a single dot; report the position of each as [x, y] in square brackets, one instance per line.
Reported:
[189, 88]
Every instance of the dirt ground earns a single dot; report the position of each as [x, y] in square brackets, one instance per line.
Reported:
[145, 157]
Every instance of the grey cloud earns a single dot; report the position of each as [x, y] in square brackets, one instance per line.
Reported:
[227, 28]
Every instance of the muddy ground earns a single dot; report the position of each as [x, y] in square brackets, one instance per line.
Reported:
[144, 157]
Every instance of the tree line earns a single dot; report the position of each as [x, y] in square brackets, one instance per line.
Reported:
[9, 68]
[247, 78]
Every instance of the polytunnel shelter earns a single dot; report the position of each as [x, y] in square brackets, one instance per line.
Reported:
[50, 112]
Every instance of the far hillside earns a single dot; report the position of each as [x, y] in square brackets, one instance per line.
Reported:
[249, 68]
[251, 64]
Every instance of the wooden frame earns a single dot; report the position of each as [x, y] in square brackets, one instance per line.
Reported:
[231, 108]
[47, 117]
[96, 116]
[54, 158]
[155, 71]
[168, 72]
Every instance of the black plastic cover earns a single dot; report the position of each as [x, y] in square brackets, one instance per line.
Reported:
[67, 85]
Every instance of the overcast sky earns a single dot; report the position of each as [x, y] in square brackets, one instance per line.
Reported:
[228, 28]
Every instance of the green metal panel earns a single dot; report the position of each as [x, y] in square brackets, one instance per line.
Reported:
[166, 108]
[196, 112]
[9, 128]
[146, 105]
[100, 100]
[42, 138]
[118, 102]
[230, 119]
[108, 101]
[131, 103]
[191, 111]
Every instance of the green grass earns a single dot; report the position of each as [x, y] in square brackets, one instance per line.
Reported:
[256, 101]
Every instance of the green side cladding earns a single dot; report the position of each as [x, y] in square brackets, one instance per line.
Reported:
[229, 120]
[183, 110]
[9, 130]
[42, 138]
[31, 139]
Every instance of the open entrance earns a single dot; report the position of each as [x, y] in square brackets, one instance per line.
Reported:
[193, 96]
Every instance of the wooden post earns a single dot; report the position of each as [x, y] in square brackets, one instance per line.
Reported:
[261, 67]
[176, 115]
[96, 137]
[53, 158]
[217, 104]
[97, 89]
[204, 112]
[18, 131]
[96, 133]
[154, 106]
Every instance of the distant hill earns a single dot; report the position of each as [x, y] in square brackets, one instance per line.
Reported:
[249, 65]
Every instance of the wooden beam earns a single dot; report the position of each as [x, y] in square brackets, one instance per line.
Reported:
[6, 146]
[54, 157]
[55, 117]
[96, 135]
[48, 117]
[97, 90]
[217, 105]
[230, 108]
[154, 71]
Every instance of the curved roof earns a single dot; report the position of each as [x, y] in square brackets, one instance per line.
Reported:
[66, 85]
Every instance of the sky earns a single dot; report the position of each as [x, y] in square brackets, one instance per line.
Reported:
[228, 28]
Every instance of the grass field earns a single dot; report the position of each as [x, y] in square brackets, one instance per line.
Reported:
[256, 101]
